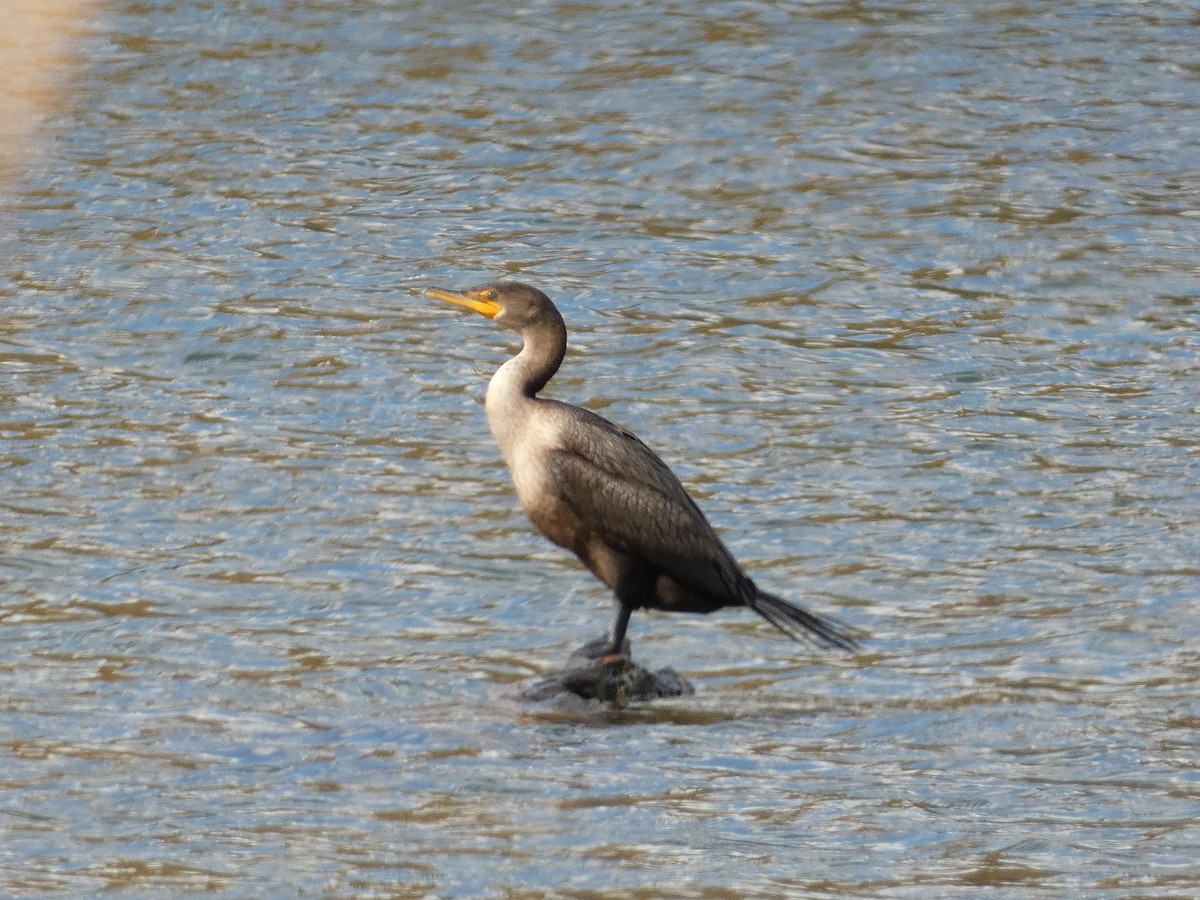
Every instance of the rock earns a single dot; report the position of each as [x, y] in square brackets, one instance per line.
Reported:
[592, 674]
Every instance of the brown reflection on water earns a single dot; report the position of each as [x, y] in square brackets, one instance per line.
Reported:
[37, 44]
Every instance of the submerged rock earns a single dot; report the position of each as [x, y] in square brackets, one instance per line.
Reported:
[593, 674]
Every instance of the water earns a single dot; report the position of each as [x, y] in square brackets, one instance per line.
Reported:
[906, 292]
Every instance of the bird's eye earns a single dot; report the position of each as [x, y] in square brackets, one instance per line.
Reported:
[489, 295]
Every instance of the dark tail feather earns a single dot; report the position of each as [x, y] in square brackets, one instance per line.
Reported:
[799, 624]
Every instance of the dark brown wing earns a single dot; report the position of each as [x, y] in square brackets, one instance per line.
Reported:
[628, 496]
[624, 493]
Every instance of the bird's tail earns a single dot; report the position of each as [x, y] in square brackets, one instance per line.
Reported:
[799, 624]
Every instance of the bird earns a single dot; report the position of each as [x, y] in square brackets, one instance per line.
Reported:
[595, 489]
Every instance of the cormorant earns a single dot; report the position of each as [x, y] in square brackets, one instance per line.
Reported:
[598, 491]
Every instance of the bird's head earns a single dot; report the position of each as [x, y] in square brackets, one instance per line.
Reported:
[512, 304]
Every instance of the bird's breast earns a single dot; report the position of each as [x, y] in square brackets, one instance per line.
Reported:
[526, 442]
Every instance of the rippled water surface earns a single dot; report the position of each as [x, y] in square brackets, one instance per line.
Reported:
[906, 292]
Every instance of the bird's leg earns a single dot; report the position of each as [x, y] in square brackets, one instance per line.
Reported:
[616, 632]
[632, 588]
[632, 584]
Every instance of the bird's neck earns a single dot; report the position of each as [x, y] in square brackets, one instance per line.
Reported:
[512, 392]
